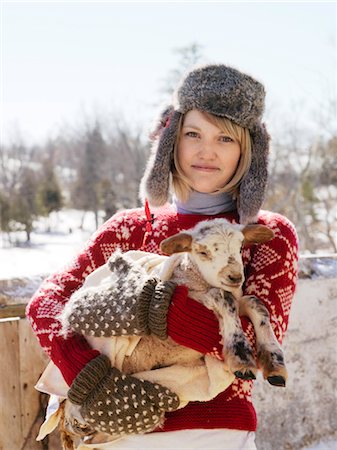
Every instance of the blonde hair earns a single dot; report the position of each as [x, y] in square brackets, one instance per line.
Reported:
[180, 182]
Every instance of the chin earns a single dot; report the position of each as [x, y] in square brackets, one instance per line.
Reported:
[205, 190]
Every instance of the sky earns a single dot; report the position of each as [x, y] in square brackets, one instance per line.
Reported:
[61, 61]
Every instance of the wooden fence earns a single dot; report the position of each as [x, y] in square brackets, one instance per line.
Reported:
[22, 361]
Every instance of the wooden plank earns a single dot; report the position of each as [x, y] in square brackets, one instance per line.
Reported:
[8, 311]
[32, 363]
[10, 395]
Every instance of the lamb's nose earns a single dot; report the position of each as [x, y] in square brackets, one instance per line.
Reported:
[235, 278]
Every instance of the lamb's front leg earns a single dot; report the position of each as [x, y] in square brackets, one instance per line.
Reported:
[237, 351]
[269, 352]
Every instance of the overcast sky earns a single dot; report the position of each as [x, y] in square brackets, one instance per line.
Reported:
[60, 59]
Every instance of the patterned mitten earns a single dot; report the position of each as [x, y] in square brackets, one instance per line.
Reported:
[119, 404]
[128, 302]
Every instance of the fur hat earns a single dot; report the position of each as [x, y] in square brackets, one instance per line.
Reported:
[226, 92]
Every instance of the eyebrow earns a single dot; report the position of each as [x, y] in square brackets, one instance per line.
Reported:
[191, 126]
[188, 125]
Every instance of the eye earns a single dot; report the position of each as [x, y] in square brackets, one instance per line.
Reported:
[81, 428]
[226, 139]
[203, 254]
[191, 134]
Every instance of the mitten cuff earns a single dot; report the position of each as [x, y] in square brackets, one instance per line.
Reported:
[143, 306]
[160, 302]
[89, 377]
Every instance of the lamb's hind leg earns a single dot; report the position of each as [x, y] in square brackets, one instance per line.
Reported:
[238, 353]
[269, 352]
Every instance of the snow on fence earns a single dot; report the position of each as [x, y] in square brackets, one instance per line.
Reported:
[289, 418]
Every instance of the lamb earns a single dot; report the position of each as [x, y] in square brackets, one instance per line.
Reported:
[207, 259]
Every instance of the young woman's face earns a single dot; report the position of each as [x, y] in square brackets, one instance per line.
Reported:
[207, 156]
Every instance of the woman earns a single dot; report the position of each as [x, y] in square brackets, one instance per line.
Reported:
[211, 151]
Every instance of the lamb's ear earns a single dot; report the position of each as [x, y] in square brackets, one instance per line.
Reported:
[178, 243]
[256, 234]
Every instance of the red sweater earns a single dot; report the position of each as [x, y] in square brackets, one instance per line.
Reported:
[270, 273]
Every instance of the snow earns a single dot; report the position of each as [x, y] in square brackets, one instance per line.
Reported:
[328, 445]
[318, 266]
[48, 251]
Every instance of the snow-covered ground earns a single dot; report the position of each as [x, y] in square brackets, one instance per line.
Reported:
[48, 250]
[329, 445]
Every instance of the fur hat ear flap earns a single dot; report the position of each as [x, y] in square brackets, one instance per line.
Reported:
[155, 184]
[253, 185]
[161, 121]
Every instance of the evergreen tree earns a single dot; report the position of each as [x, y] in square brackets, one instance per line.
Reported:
[87, 193]
[49, 192]
[328, 154]
[25, 206]
[5, 212]
[108, 199]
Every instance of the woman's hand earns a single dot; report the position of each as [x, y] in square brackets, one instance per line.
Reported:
[129, 302]
[119, 404]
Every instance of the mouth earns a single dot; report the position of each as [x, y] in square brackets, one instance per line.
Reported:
[202, 168]
[232, 285]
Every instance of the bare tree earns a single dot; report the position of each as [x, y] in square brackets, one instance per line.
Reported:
[189, 56]
[127, 157]
[302, 186]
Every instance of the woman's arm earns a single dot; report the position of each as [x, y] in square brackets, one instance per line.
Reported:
[72, 354]
[191, 324]
[94, 383]
[271, 275]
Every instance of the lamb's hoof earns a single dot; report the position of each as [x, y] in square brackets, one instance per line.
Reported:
[247, 375]
[277, 380]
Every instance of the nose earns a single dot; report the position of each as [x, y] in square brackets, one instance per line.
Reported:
[207, 150]
[235, 278]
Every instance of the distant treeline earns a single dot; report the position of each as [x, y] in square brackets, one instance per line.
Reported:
[99, 169]
[93, 170]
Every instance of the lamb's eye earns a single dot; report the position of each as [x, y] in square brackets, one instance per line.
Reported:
[203, 254]
[82, 428]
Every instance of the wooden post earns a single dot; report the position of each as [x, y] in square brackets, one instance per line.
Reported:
[21, 363]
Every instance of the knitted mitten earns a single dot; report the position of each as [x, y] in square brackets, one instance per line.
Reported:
[119, 404]
[129, 303]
